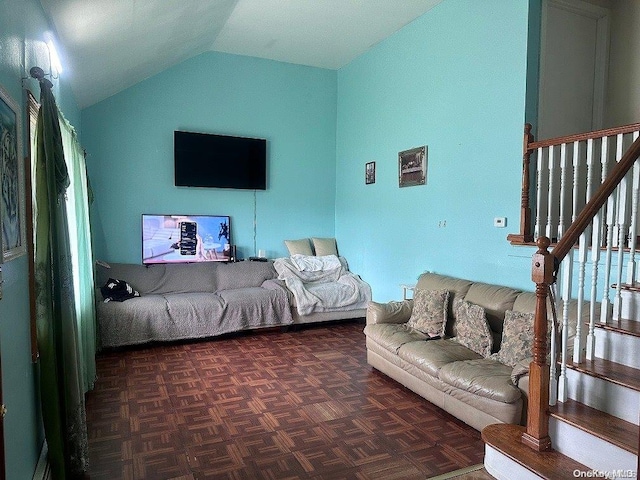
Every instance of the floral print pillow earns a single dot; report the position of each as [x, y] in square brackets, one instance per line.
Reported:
[429, 314]
[473, 330]
[517, 338]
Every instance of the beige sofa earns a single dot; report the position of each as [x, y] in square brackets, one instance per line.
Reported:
[479, 391]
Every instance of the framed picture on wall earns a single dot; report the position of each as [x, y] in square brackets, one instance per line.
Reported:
[370, 173]
[12, 206]
[412, 167]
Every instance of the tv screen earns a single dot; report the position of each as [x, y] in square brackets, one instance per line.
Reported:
[185, 238]
[208, 160]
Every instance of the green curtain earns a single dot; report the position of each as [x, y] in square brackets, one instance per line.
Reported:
[81, 251]
[61, 385]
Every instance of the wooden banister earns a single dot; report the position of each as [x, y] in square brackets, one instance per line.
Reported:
[526, 235]
[596, 202]
[543, 273]
[583, 137]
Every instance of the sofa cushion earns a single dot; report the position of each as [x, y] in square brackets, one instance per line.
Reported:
[430, 356]
[244, 274]
[484, 377]
[526, 302]
[392, 336]
[325, 246]
[302, 246]
[496, 300]
[391, 312]
[472, 328]
[517, 338]
[429, 314]
[187, 278]
[457, 287]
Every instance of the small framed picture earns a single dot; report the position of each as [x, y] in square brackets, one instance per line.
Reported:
[370, 173]
[12, 204]
[412, 167]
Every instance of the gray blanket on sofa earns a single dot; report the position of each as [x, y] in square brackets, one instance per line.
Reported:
[191, 301]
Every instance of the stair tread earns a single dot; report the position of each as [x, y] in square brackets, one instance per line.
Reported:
[551, 464]
[623, 325]
[596, 422]
[611, 371]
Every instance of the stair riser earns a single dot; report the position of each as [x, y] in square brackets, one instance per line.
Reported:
[589, 449]
[617, 347]
[503, 468]
[621, 402]
[630, 305]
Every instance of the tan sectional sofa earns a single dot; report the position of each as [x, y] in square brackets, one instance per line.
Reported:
[477, 390]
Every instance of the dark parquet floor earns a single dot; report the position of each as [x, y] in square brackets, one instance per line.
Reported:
[302, 404]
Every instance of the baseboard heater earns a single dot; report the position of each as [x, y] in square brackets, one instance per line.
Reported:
[43, 470]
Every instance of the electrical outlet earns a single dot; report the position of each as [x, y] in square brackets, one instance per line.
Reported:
[442, 224]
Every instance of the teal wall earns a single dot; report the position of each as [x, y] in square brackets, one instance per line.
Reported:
[454, 79]
[22, 25]
[129, 139]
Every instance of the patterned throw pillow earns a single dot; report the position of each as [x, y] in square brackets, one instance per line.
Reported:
[117, 290]
[517, 338]
[472, 327]
[429, 314]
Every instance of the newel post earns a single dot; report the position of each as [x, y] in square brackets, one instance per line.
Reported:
[537, 434]
[525, 234]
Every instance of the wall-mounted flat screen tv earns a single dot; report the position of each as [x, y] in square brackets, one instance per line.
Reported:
[185, 238]
[208, 160]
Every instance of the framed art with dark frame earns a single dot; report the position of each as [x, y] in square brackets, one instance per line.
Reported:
[370, 173]
[412, 167]
[12, 204]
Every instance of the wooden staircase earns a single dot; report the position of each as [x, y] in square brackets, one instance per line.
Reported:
[595, 430]
[591, 428]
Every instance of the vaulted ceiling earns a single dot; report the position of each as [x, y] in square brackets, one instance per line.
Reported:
[109, 45]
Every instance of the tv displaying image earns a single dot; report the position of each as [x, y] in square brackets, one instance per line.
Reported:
[185, 238]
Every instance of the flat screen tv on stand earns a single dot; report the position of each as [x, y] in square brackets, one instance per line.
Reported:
[186, 238]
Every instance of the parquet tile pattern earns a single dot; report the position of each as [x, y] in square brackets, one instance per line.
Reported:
[266, 405]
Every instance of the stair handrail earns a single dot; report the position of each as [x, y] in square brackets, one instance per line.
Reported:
[544, 268]
[530, 145]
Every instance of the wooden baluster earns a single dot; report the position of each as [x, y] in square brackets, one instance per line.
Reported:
[605, 306]
[622, 228]
[563, 188]
[578, 352]
[567, 280]
[537, 433]
[551, 194]
[539, 190]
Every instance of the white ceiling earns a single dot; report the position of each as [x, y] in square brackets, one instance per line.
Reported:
[109, 45]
